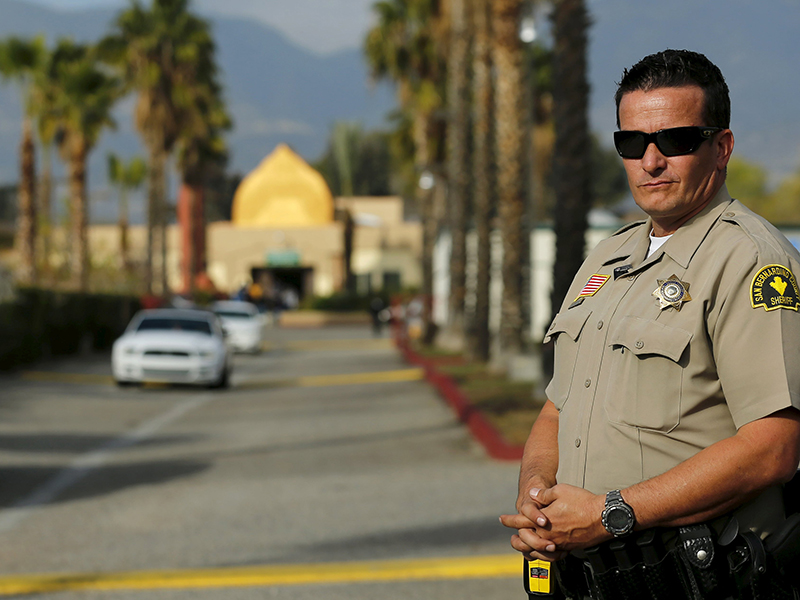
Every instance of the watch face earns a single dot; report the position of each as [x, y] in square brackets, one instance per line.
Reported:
[617, 518]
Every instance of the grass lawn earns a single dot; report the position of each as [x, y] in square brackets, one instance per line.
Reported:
[509, 405]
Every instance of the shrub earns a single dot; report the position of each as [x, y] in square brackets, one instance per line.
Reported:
[40, 321]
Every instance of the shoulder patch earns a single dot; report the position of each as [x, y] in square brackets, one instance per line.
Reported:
[774, 286]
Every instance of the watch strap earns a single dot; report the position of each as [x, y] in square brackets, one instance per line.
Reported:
[614, 497]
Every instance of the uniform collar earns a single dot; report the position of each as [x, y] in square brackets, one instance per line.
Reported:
[683, 244]
[687, 239]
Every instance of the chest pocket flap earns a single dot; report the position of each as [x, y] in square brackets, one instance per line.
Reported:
[569, 322]
[643, 337]
[647, 364]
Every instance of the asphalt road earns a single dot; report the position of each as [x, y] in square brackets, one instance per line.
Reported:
[330, 470]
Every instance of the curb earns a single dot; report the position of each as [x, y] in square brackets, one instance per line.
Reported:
[480, 428]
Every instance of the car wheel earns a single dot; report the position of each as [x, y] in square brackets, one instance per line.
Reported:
[124, 384]
[224, 380]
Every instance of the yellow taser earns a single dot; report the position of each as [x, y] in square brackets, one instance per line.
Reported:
[538, 579]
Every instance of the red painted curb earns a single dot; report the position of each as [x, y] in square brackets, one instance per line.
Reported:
[482, 430]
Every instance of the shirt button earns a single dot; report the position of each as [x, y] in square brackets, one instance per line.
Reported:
[640, 344]
[587, 383]
[730, 214]
[600, 325]
[577, 442]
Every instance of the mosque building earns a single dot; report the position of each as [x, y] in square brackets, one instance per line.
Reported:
[288, 232]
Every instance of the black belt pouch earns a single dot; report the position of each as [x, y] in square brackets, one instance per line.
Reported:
[783, 549]
[791, 495]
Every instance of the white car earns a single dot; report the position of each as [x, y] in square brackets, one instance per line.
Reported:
[174, 346]
[244, 325]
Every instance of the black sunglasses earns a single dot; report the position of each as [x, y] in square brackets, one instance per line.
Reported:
[670, 142]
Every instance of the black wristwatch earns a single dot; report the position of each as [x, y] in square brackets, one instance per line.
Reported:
[618, 517]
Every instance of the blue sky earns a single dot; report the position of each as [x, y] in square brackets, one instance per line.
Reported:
[754, 42]
[322, 26]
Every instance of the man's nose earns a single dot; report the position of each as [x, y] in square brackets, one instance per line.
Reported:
[653, 160]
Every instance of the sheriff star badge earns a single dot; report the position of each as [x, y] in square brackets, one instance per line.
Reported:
[672, 292]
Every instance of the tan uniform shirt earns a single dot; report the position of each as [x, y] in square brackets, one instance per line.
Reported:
[641, 386]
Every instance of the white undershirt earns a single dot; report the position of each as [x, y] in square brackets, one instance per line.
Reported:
[656, 243]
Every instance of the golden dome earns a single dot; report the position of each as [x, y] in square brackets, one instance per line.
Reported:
[283, 191]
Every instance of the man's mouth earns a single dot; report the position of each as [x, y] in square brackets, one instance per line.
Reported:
[656, 184]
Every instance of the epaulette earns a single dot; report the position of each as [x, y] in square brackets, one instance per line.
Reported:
[628, 226]
[764, 236]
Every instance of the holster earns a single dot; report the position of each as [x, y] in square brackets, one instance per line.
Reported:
[705, 572]
[692, 562]
[783, 550]
[791, 495]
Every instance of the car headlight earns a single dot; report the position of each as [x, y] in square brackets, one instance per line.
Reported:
[129, 350]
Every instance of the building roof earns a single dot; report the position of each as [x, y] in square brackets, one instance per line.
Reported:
[283, 191]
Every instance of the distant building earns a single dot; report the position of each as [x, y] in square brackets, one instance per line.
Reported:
[284, 234]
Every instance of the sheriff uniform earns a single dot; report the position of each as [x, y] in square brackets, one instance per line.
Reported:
[659, 357]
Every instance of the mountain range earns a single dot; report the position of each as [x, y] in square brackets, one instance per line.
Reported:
[280, 91]
[276, 92]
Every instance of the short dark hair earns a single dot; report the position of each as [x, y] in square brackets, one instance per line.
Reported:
[678, 68]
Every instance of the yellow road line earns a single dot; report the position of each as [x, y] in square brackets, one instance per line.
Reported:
[335, 380]
[310, 381]
[56, 377]
[376, 344]
[355, 378]
[469, 567]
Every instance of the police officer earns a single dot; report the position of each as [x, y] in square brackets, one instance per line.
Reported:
[677, 373]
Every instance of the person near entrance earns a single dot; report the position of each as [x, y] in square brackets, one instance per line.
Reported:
[657, 467]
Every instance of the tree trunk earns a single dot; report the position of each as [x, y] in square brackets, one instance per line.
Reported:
[163, 220]
[153, 182]
[430, 223]
[187, 202]
[458, 99]
[482, 169]
[45, 194]
[26, 217]
[571, 159]
[511, 137]
[348, 233]
[124, 248]
[79, 212]
[155, 199]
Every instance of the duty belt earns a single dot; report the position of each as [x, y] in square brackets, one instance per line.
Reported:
[692, 562]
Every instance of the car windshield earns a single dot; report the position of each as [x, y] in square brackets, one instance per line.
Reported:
[233, 314]
[173, 324]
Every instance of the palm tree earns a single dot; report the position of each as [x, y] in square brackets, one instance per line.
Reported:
[83, 110]
[482, 170]
[201, 145]
[155, 49]
[125, 177]
[406, 46]
[511, 144]
[572, 153]
[201, 117]
[19, 60]
[47, 128]
[458, 130]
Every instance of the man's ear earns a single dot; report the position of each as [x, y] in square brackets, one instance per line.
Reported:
[724, 145]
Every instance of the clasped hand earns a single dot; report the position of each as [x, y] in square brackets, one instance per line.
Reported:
[553, 521]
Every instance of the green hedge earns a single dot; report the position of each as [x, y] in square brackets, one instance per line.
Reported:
[41, 322]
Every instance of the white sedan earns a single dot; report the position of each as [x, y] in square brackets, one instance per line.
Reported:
[173, 346]
[243, 324]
